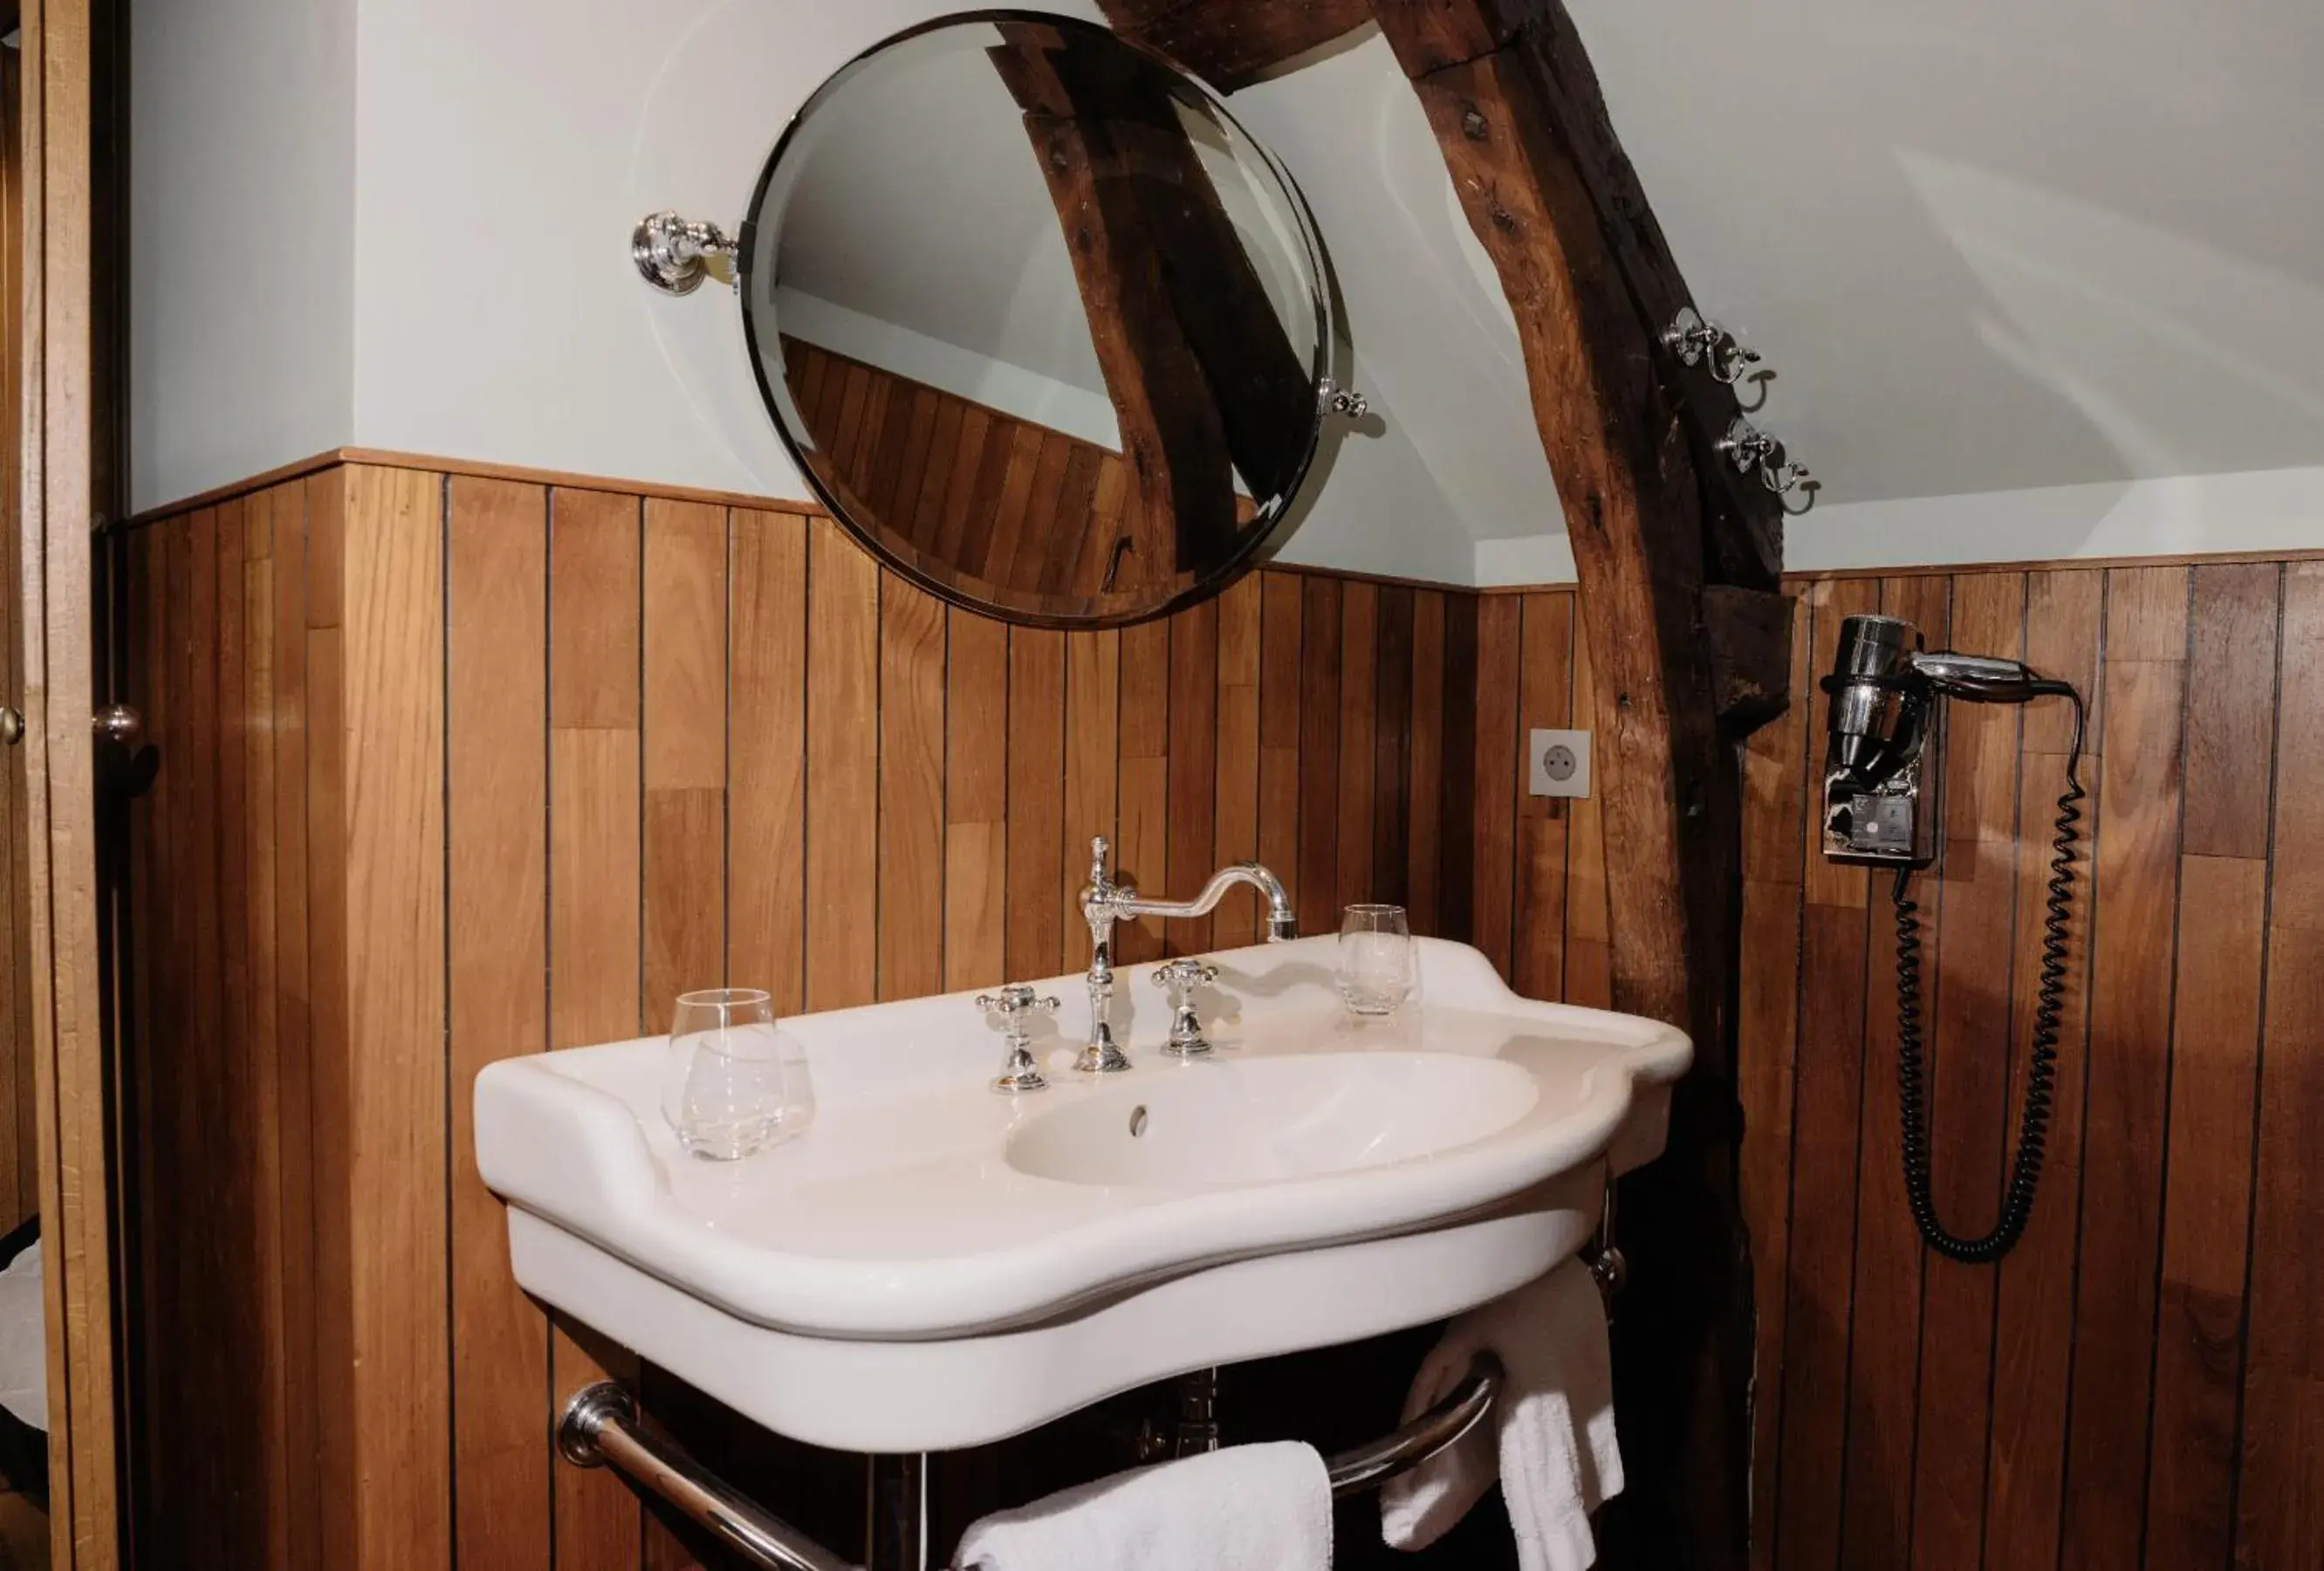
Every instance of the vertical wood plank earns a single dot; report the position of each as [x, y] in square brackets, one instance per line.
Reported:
[2280, 1498]
[1092, 709]
[497, 823]
[1279, 637]
[1425, 768]
[398, 1380]
[1358, 710]
[595, 888]
[1971, 1050]
[1193, 768]
[685, 739]
[976, 802]
[1827, 1098]
[1142, 855]
[912, 789]
[2138, 850]
[2034, 1311]
[1237, 824]
[1036, 773]
[1500, 668]
[1537, 955]
[1884, 1330]
[1456, 887]
[842, 767]
[1391, 760]
[2222, 927]
[1319, 754]
[1774, 783]
[765, 876]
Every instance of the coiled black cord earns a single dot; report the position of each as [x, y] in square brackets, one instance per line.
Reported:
[2041, 1071]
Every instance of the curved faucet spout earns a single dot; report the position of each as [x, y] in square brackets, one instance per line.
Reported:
[1281, 925]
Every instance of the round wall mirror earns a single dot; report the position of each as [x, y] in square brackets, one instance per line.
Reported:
[1041, 323]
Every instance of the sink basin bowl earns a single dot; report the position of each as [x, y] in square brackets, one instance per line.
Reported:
[932, 1265]
[1266, 1119]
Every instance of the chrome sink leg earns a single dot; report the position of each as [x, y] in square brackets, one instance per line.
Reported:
[896, 1536]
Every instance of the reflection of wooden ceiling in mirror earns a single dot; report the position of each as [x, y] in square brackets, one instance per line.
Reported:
[1014, 505]
[1230, 43]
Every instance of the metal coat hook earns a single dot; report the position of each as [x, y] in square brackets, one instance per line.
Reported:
[1699, 342]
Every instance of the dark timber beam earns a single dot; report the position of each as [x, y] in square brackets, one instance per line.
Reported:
[1231, 43]
[1656, 524]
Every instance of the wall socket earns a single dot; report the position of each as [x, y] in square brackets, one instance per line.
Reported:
[1558, 764]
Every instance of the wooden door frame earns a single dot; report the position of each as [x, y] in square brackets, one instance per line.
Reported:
[59, 768]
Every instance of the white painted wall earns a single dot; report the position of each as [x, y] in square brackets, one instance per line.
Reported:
[242, 243]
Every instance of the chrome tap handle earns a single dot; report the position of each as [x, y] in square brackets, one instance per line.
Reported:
[1012, 1004]
[1181, 977]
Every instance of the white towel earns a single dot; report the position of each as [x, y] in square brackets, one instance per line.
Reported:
[1247, 1508]
[1549, 1439]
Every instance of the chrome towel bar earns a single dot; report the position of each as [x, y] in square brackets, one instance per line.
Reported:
[602, 1426]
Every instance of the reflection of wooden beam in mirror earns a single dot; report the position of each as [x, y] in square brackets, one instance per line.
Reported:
[1230, 43]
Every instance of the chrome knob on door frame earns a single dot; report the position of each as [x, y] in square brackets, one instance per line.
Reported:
[118, 723]
[12, 727]
[1012, 1004]
[1181, 977]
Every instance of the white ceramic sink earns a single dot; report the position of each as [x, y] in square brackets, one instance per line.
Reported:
[1262, 1120]
[933, 1265]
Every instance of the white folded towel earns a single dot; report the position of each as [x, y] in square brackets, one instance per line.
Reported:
[1549, 1438]
[1247, 1508]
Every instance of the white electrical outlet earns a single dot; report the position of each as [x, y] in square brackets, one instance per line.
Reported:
[1558, 764]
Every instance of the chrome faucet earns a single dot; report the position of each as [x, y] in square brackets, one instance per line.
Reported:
[1105, 902]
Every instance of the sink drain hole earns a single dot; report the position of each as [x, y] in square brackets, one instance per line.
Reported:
[1138, 1121]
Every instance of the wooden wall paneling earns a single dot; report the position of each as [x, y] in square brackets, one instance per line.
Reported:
[766, 689]
[976, 802]
[2222, 928]
[1092, 711]
[1884, 1330]
[1236, 825]
[2280, 1499]
[1456, 840]
[912, 645]
[1391, 760]
[842, 768]
[2130, 1001]
[684, 626]
[1359, 710]
[1423, 795]
[240, 1212]
[1281, 610]
[1776, 772]
[1500, 667]
[1142, 851]
[2035, 1292]
[397, 1381]
[1588, 920]
[596, 890]
[496, 755]
[1827, 1104]
[1318, 756]
[1037, 774]
[145, 1075]
[1545, 693]
[1193, 770]
[1973, 1054]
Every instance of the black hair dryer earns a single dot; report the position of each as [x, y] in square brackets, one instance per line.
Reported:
[1880, 807]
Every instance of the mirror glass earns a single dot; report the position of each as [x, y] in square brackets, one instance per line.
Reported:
[1044, 326]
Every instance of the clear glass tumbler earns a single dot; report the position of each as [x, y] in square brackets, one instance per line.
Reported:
[733, 1083]
[1377, 966]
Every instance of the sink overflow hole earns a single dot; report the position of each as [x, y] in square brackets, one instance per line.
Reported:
[1138, 1121]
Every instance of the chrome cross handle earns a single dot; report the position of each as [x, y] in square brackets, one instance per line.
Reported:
[1012, 1004]
[1181, 977]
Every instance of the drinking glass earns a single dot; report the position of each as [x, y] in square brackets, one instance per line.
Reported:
[1377, 966]
[733, 1083]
